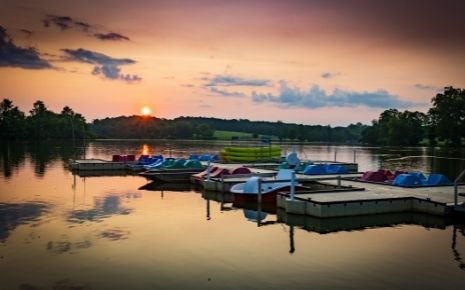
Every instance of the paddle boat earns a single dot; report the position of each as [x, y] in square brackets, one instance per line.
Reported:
[405, 179]
[179, 170]
[144, 161]
[217, 172]
[249, 190]
[250, 154]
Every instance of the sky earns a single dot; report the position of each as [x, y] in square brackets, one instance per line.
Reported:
[328, 62]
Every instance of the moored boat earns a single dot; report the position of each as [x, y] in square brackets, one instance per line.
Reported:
[254, 186]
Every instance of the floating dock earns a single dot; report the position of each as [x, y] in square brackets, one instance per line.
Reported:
[97, 164]
[374, 199]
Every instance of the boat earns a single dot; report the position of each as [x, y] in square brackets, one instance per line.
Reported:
[251, 154]
[404, 179]
[178, 171]
[249, 190]
[145, 160]
[217, 172]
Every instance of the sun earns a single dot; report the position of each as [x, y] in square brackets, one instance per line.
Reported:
[145, 111]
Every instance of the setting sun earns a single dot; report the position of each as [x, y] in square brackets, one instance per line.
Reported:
[145, 111]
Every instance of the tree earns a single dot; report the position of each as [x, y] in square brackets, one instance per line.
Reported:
[448, 115]
[12, 121]
[396, 128]
[203, 131]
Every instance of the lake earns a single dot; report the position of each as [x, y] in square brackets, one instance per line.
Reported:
[65, 231]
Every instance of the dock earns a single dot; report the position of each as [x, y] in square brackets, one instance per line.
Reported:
[332, 195]
[374, 199]
[97, 164]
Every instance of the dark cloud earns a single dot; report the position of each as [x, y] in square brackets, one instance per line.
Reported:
[68, 23]
[63, 22]
[110, 36]
[26, 32]
[105, 65]
[329, 75]
[226, 93]
[12, 55]
[83, 25]
[316, 97]
[228, 80]
[427, 87]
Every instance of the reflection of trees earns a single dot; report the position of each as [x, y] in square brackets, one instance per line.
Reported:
[15, 214]
[13, 154]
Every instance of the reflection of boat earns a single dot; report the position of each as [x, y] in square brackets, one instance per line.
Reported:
[253, 205]
[170, 175]
[159, 186]
[253, 215]
[101, 173]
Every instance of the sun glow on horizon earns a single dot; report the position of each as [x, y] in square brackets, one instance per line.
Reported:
[145, 111]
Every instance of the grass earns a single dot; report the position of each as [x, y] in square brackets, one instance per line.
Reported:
[227, 135]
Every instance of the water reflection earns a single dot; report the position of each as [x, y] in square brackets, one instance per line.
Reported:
[457, 255]
[168, 186]
[65, 284]
[15, 214]
[357, 223]
[41, 154]
[115, 234]
[104, 207]
[61, 247]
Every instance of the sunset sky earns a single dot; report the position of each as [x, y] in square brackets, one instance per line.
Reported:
[305, 61]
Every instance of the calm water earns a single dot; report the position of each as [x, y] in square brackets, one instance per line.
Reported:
[64, 231]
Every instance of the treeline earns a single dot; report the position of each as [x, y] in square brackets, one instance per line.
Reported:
[41, 123]
[444, 122]
[139, 127]
[284, 131]
[203, 128]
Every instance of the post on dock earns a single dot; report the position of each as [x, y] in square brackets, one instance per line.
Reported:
[355, 156]
[338, 181]
[208, 169]
[335, 155]
[259, 200]
[292, 193]
[222, 183]
[456, 188]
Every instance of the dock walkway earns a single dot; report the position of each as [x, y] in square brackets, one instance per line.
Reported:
[374, 199]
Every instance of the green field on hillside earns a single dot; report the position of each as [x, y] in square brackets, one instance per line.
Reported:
[228, 135]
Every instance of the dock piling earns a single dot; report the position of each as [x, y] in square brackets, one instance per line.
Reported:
[292, 193]
[208, 169]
